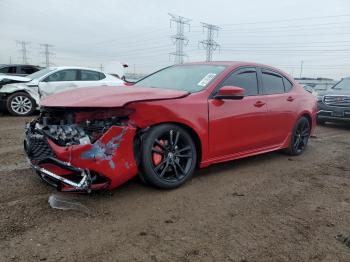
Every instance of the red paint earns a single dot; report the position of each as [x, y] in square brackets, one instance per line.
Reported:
[108, 96]
[225, 129]
[123, 157]
[231, 91]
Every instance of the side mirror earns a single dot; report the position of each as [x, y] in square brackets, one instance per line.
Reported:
[230, 92]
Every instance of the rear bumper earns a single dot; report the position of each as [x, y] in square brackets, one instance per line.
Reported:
[105, 164]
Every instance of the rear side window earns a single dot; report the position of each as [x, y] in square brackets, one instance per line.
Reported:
[63, 75]
[8, 70]
[88, 75]
[272, 83]
[287, 84]
[27, 70]
[246, 79]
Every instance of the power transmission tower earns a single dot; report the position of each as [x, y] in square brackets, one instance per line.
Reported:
[47, 54]
[23, 50]
[179, 39]
[210, 44]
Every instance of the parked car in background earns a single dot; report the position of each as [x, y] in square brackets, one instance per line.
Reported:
[23, 97]
[19, 70]
[334, 104]
[168, 124]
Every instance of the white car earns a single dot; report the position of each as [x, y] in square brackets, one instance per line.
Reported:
[21, 96]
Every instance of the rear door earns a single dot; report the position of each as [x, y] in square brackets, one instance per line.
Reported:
[281, 105]
[59, 81]
[91, 78]
[238, 126]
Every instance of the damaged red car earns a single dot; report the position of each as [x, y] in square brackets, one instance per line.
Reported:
[168, 124]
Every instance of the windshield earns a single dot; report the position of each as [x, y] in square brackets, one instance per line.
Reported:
[40, 73]
[343, 84]
[191, 78]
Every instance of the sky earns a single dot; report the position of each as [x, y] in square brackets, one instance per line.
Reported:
[88, 33]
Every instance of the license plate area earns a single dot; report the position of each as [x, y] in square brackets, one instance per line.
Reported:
[338, 113]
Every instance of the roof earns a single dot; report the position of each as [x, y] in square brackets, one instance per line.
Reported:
[240, 63]
[232, 63]
[72, 67]
[2, 65]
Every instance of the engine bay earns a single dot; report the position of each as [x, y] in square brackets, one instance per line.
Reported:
[67, 127]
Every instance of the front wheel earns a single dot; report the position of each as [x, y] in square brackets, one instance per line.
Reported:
[169, 156]
[20, 104]
[300, 137]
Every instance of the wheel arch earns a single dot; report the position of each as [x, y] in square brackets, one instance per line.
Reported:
[308, 117]
[189, 129]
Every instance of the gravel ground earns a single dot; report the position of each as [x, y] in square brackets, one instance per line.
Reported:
[266, 208]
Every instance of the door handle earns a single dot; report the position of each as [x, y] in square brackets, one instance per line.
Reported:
[259, 104]
[290, 99]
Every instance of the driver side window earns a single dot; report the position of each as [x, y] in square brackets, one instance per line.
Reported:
[246, 79]
[63, 75]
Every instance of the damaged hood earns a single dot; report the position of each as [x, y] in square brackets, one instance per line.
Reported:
[7, 79]
[14, 78]
[109, 96]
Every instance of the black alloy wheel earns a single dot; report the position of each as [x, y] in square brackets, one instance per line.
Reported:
[300, 137]
[169, 156]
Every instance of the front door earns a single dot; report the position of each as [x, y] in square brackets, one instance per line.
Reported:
[238, 126]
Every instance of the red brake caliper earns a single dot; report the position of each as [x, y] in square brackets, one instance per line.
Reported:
[156, 157]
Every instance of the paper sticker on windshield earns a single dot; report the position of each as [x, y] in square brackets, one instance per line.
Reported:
[205, 80]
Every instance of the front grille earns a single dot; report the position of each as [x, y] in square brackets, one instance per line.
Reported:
[341, 101]
[37, 148]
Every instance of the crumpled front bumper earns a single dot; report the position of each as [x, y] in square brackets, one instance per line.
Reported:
[105, 164]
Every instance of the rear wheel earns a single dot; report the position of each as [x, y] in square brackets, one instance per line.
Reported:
[300, 137]
[20, 104]
[169, 156]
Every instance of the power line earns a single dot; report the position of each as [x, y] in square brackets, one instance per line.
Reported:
[210, 44]
[313, 26]
[23, 50]
[288, 20]
[179, 39]
[47, 53]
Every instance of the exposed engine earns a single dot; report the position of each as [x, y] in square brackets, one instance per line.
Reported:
[73, 128]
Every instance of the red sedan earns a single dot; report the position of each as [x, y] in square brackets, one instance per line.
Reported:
[168, 124]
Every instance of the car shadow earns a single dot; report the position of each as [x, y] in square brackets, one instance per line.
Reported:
[138, 187]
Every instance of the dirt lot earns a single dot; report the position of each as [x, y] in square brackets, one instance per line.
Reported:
[266, 208]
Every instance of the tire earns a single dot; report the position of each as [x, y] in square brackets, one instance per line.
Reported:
[168, 156]
[20, 104]
[300, 137]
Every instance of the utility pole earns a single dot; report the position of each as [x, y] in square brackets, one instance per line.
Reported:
[101, 68]
[47, 53]
[23, 50]
[179, 39]
[301, 68]
[210, 44]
